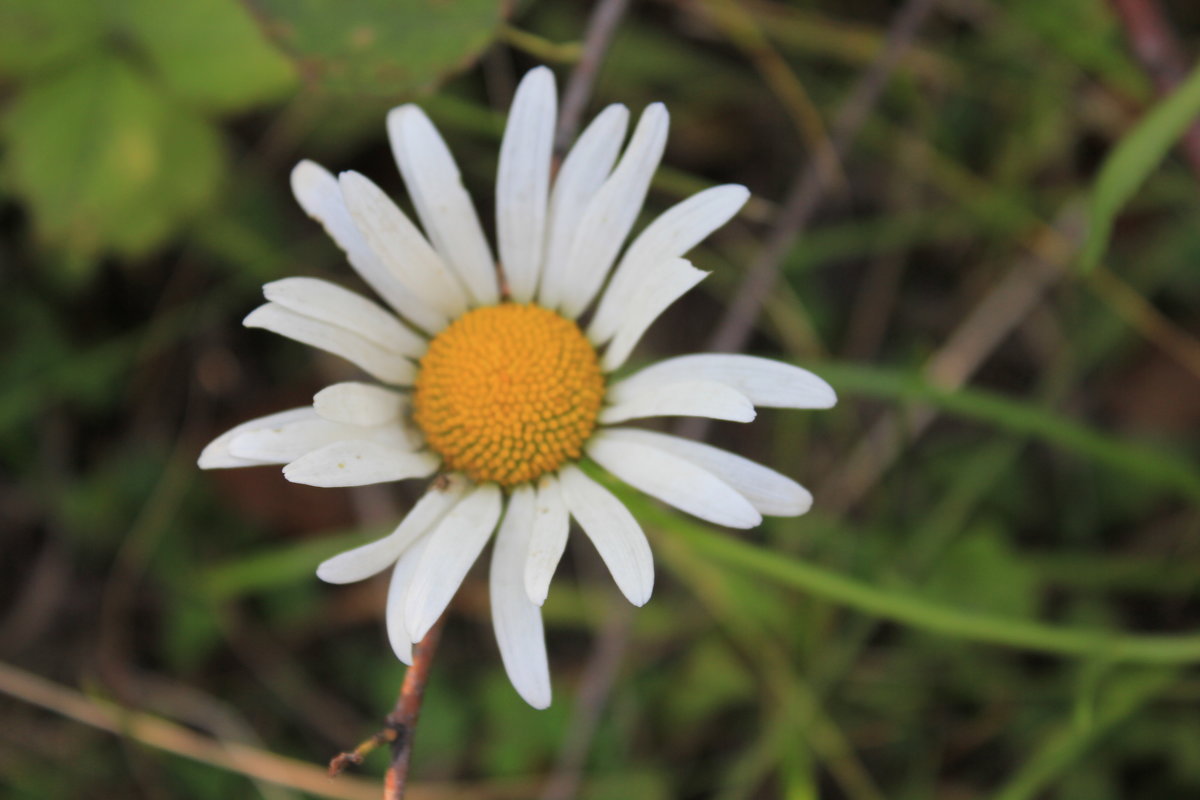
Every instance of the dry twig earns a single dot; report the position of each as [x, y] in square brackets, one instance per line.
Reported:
[808, 188]
[594, 689]
[400, 726]
[810, 184]
[163, 735]
[402, 722]
[601, 26]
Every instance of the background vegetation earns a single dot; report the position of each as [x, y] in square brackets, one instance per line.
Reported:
[993, 596]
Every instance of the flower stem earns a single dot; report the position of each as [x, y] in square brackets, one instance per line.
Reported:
[403, 719]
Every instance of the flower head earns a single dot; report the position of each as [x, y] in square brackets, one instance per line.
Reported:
[487, 377]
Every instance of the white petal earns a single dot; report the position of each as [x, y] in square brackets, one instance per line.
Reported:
[684, 398]
[581, 175]
[328, 302]
[355, 403]
[673, 480]
[454, 545]
[386, 365]
[768, 491]
[217, 455]
[662, 285]
[403, 250]
[284, 442]
[615, 533]
[612, 211]
[370, 559]
[523, 181]
[321, 198]
[445, 208]
[551, 524]
[359, 463]
[402, 578]
[765, 381]
[676, 231]
[516, 619]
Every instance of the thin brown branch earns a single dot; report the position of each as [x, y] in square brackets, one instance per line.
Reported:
[808, 189]
[241, 759]
[594, 689]
[164, 735]
[743, 30]
[402, 722]
[1147, 320]
[997, 315]
[1157, 48]
[810, 185]
[601, 26]
[353, 758]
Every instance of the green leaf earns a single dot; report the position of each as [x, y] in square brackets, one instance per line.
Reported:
[209, 52]
[36, 34]
[278, 566]
[105, 161]
[1132, 161]
[379, 46]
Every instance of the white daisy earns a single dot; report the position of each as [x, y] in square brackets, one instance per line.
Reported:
[490, 381]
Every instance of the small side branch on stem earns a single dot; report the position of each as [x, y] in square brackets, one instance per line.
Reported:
[401, 724]
[403, 719]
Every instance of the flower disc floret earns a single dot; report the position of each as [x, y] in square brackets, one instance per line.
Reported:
[508, 393]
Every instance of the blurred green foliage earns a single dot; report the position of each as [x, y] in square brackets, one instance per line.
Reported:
[380, 47]
[977, 624]
[114, 136]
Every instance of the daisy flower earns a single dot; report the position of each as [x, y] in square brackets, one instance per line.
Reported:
[487, 379]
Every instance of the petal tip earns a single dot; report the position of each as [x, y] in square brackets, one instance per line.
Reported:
[746, 521]
[211, 458]
[405, 656]
[418, 631]
[539, 699]
[305, 170]
[333, 570]
[296, 472]
[404, 115]
[536, 593]
[254, 318]
[738, 195]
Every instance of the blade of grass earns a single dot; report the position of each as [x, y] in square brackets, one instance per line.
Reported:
[908, 609]
[278, 566]
[1133, 159]
[1152, 465]
[1070, 741]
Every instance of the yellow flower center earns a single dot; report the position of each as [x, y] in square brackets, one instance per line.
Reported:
[508, 393]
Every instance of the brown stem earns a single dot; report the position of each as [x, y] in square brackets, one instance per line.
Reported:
[402, 722]
[595, 686]
[808, 189]
[601, 26]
